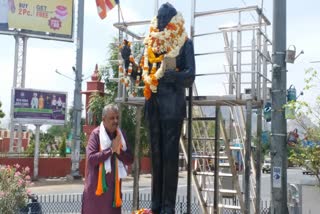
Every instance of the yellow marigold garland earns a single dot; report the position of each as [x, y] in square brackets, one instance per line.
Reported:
[159, 44]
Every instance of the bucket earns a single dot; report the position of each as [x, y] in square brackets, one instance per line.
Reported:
[292, 94]
[267, 112]
[291, 54]
[265, 137]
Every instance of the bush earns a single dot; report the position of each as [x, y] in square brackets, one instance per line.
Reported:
[62, 147]
[14, 182]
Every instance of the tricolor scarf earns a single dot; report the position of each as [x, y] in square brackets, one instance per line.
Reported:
[105, 167]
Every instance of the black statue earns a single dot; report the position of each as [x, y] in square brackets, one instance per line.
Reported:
[164, 112]
[125, 54]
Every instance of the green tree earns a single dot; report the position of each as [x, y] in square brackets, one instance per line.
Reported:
[62, 147]
[1, 112]
[301, 153]
[46, 141]
[62, 130]
[265, 143]
[308, 117]
[128, 119]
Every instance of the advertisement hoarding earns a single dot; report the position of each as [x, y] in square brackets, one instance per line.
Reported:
[33, 106]
[50, 19]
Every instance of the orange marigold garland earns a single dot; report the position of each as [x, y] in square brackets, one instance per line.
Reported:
[160, 44]
[126, 74]
[143, 211]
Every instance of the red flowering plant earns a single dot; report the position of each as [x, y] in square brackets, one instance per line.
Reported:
[14, 183]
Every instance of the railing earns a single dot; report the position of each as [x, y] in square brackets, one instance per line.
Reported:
[41, 155]
[71, 203]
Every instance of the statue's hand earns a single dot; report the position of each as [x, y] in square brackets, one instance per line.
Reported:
[169, 76]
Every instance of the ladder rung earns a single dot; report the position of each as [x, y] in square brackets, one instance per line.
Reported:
[224, 165]
[226, 206]
[201, 138]
[221, 174]
[230, 191]
[208, 157]
[235, 148]
[203, 118]
[231, 207]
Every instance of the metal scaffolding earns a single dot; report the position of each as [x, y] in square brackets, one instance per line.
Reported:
[244, 75]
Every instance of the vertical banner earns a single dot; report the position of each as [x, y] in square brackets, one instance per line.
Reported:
[48, 16]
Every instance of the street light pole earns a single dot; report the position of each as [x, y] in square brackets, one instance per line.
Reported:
[278, 122]
[77, 105]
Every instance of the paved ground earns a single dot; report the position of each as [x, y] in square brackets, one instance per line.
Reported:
[64, 185]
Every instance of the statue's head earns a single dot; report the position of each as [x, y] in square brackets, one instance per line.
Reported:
[165, 13]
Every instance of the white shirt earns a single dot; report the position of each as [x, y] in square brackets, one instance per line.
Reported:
[4, 8]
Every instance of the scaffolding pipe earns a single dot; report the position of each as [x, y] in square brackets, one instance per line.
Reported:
[253, 67]
[247, 165]
[259, 125]
[216, 162]
[238, 83]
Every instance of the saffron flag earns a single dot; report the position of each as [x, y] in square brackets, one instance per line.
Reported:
[103, 6]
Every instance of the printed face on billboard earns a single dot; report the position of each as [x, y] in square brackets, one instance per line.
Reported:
[35, 105]
[40, 17]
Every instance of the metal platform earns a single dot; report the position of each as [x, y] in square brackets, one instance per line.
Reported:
[224, 100]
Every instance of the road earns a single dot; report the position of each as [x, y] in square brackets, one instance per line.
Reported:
[60, 187]
[54, 186]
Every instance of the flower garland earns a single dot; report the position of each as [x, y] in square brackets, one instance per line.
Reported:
[143, 211]
[160, 44]
[125, 76]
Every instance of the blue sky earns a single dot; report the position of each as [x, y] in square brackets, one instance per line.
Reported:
[44, 57]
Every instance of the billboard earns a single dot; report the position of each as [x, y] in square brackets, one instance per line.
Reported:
[33, 106]
[37, 18]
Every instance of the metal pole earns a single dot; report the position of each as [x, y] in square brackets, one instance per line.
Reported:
[254, 89]
[258, 160]
[14, 85]
[36, 153]
[20, 58]
[19, 138]
[231, 69]
[193, 6]
[22, 85]
[24, 61]
[156, 6]
[247, 165]
[259, 119]
[192, 24]
[136, 164]
[189, 151]
[216, 162]
[120, 38]
[265, 72]
[77, 108]
[278, 121]
[239, 44]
